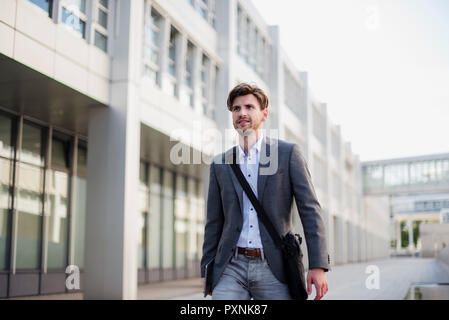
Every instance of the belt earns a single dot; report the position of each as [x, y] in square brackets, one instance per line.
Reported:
[250, 252]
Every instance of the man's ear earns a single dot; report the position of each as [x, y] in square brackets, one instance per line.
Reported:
[265, 113]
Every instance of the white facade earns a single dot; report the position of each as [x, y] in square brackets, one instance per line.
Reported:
[126, 77]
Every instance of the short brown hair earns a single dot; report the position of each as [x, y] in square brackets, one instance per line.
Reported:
[242, 89]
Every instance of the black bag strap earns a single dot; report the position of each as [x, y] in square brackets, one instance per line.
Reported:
[252, 197]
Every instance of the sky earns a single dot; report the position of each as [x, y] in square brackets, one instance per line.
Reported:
[382, 67]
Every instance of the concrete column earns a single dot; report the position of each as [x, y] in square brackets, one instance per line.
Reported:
[113, 169]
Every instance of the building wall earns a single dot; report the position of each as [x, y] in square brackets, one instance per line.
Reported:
[51, 46]
[434, 238]
[377, 226]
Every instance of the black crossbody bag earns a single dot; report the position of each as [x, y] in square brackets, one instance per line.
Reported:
[289, 243]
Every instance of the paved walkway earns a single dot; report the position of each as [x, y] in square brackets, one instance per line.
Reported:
[396, 275]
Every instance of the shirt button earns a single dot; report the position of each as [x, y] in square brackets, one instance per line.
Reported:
[250, 226]
[250, 242]
[249, 175]
[251, 209]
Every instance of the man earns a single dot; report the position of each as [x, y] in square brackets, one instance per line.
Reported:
[247, 263]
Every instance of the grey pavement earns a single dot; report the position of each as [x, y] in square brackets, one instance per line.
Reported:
[396, 275]
[346, 282]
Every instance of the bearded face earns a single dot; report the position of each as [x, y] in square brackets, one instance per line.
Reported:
[247, 115]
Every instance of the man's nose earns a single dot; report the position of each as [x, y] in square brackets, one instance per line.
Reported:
[242, 112]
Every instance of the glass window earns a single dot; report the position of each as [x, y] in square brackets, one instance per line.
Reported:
[206, 8]
[248, 39]
[200, 209]
[154, 223]
[142, 218]
[82, 161]
[172, 65]
[192, 253]
[396, 174]
[141, 225]
[319, 125]
[445, 170]
[74, 17]
[260, 53]
[245, 27]
[32, 145]
[252, 46]
[239, 29]
[167, 221]
[172, 52]
[79, 204]
[189, 64]
[101, 26]
[335, 145]
[5, 209]
[60, 154]
[29, 207]
[79, 219]
[102, 18]
[6, 150]
[205, 75]
[181, 215]
[152, 45]
[45, 5]
[187, 94]
[101, 41]
[292, 92]
[79, 5]
[202, 8]
[56, 208]
[263, 60]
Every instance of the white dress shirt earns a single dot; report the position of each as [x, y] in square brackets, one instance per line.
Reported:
[250, 235]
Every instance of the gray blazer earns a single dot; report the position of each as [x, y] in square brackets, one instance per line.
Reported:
[291, 178]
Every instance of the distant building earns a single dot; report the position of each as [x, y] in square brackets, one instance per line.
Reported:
[417, 189]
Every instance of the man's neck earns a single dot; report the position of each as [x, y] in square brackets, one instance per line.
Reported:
[246, 142]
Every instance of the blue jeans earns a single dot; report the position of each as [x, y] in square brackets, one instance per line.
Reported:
[247, 277]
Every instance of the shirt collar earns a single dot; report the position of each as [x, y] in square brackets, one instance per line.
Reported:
[254, 149]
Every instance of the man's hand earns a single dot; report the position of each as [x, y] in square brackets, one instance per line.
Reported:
[318, 278]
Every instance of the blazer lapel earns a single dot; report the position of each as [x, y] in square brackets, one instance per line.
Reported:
[264, 161]
[237, 187]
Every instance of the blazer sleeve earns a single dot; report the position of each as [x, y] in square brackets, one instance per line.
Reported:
[309, 211]
[214, 220]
